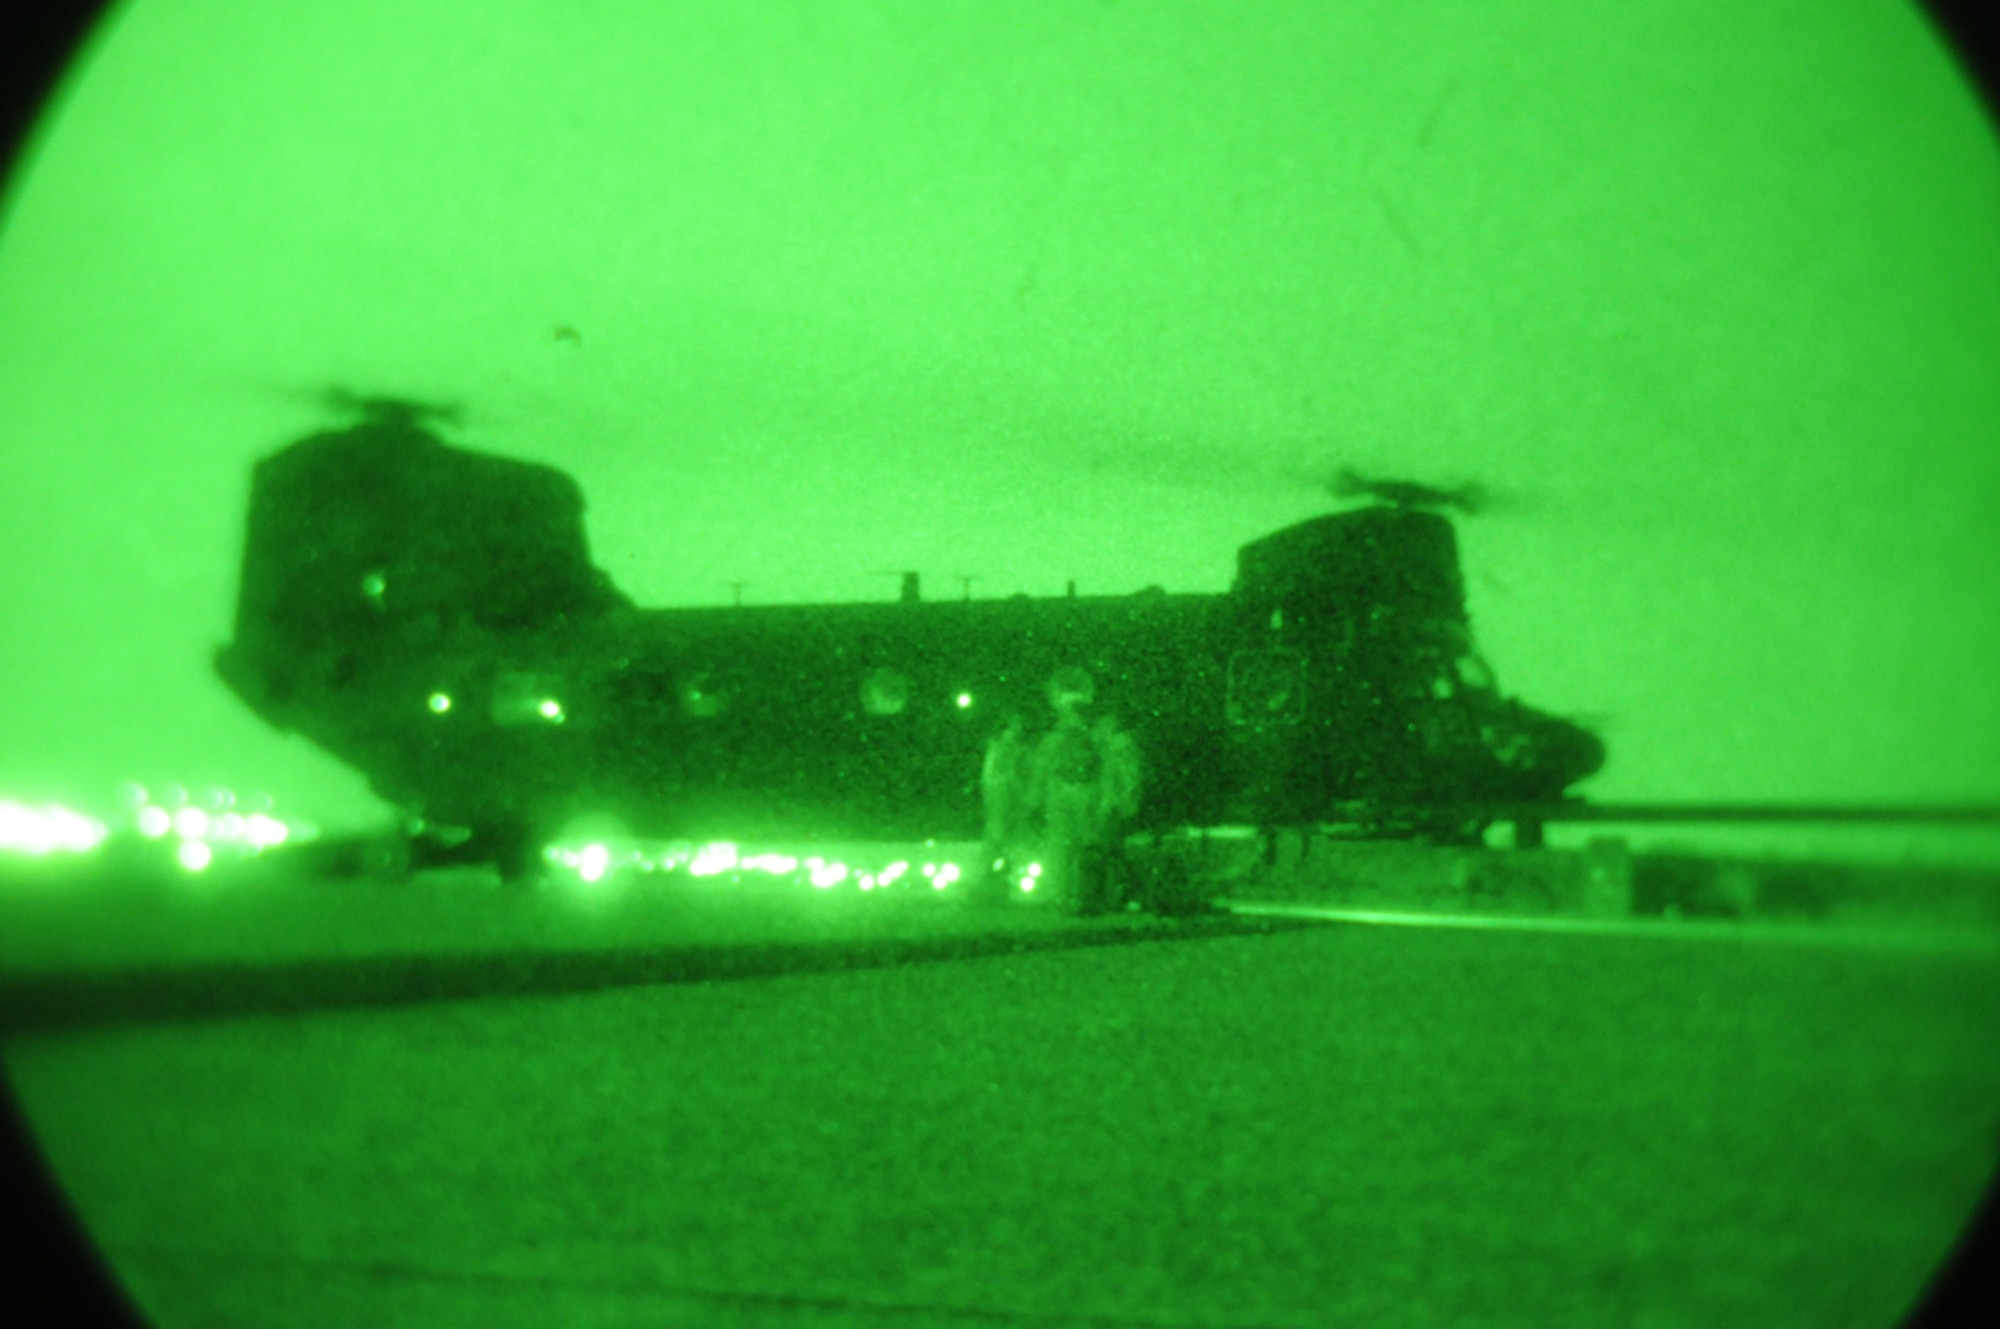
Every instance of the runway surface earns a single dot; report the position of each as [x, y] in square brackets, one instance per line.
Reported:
[979, 1118]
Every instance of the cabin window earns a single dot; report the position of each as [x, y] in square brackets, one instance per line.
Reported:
[526, 699]
[703, 696]
[884, 692]
[1266, 687]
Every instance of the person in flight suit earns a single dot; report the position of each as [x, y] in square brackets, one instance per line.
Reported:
[1003, 791]
[1118, 795]
[1067, 786]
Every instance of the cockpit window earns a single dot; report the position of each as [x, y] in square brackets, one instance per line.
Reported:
[884, 692]
[704, 695]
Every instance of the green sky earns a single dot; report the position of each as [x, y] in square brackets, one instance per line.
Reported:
[1708, 292]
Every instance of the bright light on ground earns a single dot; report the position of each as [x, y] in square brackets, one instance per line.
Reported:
[594, 861]
[49, 829]
[262, 832]
[713, 860]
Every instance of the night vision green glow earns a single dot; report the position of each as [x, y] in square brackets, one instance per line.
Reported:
[1611, 262]
[1702, 295]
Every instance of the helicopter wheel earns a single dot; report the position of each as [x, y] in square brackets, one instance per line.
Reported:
[514, 849]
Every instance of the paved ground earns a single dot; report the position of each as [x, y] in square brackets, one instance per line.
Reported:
[1337, 1123]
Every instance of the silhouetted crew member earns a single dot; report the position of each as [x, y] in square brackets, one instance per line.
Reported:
[1003, 791]
[1124, 774]
[1118, 795]
[1068, 781]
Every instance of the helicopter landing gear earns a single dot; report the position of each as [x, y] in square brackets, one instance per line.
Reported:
[513, 848]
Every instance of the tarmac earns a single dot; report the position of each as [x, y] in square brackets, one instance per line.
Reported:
[283, 1099]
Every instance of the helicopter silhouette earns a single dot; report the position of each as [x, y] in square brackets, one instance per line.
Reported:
[430, 615]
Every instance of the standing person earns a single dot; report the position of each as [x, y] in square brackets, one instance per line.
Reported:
[1003, 791]
[1068, 782]
[1118, 798]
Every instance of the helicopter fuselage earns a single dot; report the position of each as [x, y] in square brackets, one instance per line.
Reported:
[429, 615]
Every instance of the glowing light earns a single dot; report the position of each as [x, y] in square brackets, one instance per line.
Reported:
[867, 882]
[46, 830]
[825, 875]
[592, 862]
[194, 855]
[713, 859]
[1034, 869]
[893, 871]
[440, 702]
[964, 700]
[155, 822]
[550, 709]
[373, 585]
[1027, 885]
[946, 876]
[262, 832]
[191, 823]
[778, 865]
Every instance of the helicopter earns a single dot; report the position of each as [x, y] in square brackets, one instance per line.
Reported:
[430, 615]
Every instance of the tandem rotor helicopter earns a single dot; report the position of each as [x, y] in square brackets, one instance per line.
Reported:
[430, 615]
